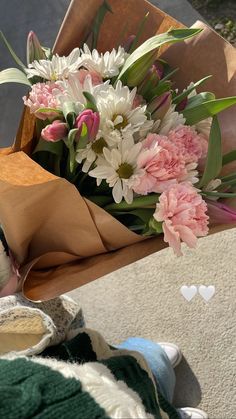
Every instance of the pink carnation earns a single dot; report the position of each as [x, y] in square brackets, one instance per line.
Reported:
[191, 145]
[41, 96]
[183, 212]
[160, 163]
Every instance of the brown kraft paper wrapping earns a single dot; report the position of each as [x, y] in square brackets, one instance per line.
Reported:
[61, 240]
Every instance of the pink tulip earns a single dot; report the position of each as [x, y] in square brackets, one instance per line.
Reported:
[220, 213]
[55, 131]
[34, 50]
[91, 120]
[160, 105]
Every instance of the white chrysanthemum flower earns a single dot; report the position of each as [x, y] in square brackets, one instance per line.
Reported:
[204, 127]
[117, 114]
[73, 90]
[92, 151]
[118, 167]
[192, 174]
[57, 68]
[107, 65]
[171, 120]
[213, 185]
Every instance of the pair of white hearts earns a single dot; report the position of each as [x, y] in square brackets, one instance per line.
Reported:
[189, 292]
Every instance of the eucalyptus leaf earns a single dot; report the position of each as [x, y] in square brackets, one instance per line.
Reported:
[12, 52]
[172, 36]
[201, 111]
[214, 156]
[13, 75]
[184, 94]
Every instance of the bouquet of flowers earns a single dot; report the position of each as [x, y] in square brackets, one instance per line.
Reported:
[139, 157]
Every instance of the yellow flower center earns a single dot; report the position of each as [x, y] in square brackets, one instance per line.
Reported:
[125, 171]
[120, 125]
[54, 76]
[98, 146]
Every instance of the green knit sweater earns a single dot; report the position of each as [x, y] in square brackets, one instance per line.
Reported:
[82, 378]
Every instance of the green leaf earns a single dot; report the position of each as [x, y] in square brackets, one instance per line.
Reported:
[49, 146]
[228, 177]
[229, 157]
[172, 36]
[158, 91]
[194, 114]
[168, 75]
[199, 99]
[50, 110]
[13, 75]
[139, 202]
[184, 94]
[219, 194]
[214, 156]
[91, 103]
[71, 137]
[139, 33]
[102, 11]
[12, 52]
[69, 111]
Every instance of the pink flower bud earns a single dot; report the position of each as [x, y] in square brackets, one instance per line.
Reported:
[159, 68]
[91, 120]
[55, 131]
[150, 81]
[34, 50]
[160, 105]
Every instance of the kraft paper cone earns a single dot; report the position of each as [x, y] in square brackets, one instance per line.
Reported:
[62, 240]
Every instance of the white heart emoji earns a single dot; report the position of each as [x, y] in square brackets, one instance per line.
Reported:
[188, 292]
[206, 292]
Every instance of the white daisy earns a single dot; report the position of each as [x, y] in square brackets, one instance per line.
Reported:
[170, 121]
[107, 65]
[92, 151]
[73, 90]
[118, 167]
[57, 68]
[117, 114]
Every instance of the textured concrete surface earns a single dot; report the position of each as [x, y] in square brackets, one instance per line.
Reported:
[45, 19]
[144, 299]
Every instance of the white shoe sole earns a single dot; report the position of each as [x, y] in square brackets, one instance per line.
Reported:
[179, 356]
[200, 414]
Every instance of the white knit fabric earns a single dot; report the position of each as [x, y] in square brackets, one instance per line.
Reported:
[28, 328]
